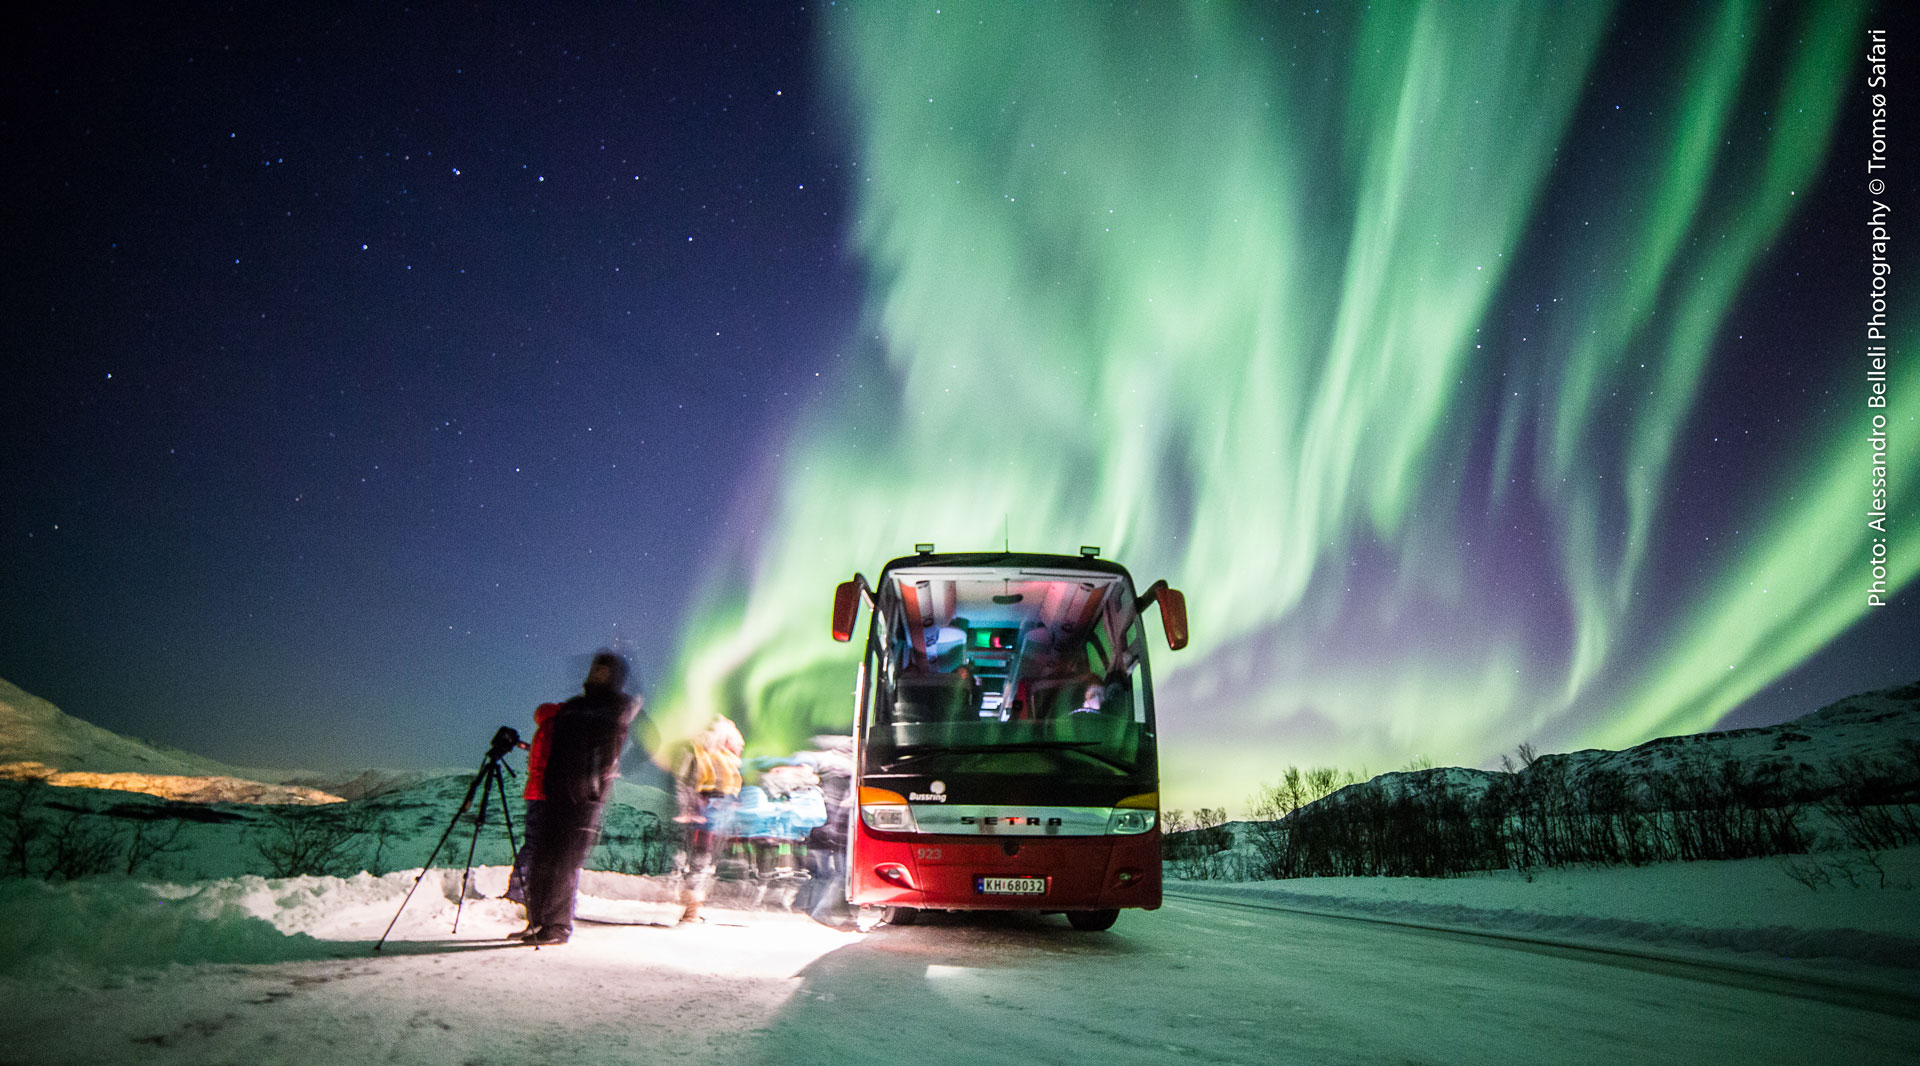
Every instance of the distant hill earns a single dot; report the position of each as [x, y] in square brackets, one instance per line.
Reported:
[1870, 739]
[1880, 728]
[40, 742]
[363, 784]
[33, 730]
[221, 836]
[214, 817]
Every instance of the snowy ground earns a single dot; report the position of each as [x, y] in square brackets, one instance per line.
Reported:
[1733, 962]
[250, 970]
[1750, 906]
[266, 972]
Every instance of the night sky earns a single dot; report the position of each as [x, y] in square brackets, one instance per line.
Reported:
[1483, 374]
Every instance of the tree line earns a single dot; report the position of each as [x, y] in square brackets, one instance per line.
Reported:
[45, 837]
[1550, 811]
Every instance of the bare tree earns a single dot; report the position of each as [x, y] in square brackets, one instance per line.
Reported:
[1871, 804]
[78, 846]
[309, 841]
[20, 825]
[1809, 873]
[149, 841]
[1276, 809]
[381, 828]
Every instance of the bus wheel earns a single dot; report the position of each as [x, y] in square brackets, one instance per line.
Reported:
[1094, 921]
[902, 915]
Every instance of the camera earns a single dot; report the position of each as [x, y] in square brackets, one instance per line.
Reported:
[504, 741]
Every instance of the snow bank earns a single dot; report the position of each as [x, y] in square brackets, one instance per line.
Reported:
[116, 922]
[331, 906]
[1747, 905]
[110, 923]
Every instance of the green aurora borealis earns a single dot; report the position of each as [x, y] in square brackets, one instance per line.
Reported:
[1384, 333]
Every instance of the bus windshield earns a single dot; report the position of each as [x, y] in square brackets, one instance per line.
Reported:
[1009, 670]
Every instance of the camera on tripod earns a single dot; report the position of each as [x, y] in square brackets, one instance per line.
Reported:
[490, 780]
[504, 741]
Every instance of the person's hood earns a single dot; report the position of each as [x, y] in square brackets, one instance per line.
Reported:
[618, 670]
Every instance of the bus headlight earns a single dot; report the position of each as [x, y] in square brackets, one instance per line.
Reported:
[888, 818]
[886, 811]
[1128, 821]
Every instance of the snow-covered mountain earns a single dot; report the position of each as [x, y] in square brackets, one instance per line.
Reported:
[1872, 731]
[1878, 730]
[392, 818]
[34, 730]
[38, 741]
[1861, 751]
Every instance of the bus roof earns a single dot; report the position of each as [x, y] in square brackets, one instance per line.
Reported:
[1080, 564]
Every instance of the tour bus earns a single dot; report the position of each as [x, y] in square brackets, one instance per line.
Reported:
[1005, 751]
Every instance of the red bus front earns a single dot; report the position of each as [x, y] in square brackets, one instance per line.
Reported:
[992, 869]
[1005, 738]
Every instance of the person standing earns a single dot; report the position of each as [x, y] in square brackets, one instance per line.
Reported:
[708, 788]
[585, 736]
[535, 795]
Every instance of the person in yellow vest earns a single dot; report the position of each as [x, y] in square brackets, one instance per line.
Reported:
[708, 788]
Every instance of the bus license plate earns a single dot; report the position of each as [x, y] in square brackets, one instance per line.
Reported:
[1010, 886]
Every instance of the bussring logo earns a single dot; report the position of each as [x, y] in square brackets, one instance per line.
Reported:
[935, 793]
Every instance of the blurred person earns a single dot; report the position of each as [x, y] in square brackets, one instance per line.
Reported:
[585, 736]
[707, 787]
[825, 896]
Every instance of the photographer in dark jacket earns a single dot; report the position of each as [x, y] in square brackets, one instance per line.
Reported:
[587, 734]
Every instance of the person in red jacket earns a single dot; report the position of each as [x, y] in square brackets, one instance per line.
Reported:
[536, 801]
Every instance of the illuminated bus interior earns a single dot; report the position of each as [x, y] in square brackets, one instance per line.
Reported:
[1010, 670]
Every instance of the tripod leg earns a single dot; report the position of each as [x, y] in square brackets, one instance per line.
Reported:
[479, 823]
[438, 844]
[506, 810]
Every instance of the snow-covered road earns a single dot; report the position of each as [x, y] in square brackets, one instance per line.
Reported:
[1207, 981]
[1200, 980]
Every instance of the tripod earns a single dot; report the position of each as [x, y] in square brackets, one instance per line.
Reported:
[484, 782]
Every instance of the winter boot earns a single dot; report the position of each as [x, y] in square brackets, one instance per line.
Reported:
[692, 897]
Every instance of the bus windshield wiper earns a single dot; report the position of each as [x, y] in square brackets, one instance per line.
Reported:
[988, 749]
[1104, 760]
[1074, 746]
[1017, 746]
[908, 756]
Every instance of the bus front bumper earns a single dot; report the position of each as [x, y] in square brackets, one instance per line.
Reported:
[1009, 873]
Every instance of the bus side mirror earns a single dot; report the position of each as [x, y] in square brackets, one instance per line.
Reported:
[1173, 611]
[1173, 616]
[846, 607]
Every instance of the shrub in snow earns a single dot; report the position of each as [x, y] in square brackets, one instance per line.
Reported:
[306, 841]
